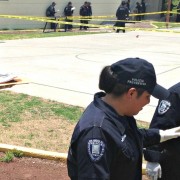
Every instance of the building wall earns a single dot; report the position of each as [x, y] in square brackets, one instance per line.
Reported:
[37, 8]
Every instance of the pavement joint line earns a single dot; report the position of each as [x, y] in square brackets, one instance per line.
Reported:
[65, 89]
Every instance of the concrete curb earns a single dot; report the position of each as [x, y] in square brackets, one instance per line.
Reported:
[31, 152]
[36, 153]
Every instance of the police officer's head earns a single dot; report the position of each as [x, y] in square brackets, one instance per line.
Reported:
[53, 3]
[85, 3]
[128, 85]
[69, 3]
[123, 3]
[127, 73]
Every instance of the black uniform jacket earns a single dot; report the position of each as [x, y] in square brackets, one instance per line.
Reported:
[83, 11]
[167, 115]
[106, 146]
[68, 11]
[122, 13]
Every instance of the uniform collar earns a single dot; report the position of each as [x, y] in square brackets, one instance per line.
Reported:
[110, 112]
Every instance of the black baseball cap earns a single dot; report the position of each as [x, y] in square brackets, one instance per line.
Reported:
[139, 73]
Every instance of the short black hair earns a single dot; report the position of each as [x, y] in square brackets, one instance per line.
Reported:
[108, 82]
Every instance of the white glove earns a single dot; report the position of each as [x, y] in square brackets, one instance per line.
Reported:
[169, 134]
[153, 170]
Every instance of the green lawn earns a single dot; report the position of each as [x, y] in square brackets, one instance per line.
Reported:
[28, 34]
[36, 122]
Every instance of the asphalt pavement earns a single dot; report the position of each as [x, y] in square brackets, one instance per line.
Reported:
[66, 69]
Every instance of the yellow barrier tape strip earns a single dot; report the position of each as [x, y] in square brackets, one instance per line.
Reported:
[61, 19]
[79, 24]
[86, 17]
[93, 17]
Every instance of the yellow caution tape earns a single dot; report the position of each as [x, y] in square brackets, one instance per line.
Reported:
[61, 20]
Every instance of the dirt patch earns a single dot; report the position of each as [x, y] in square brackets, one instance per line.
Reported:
[34, 169]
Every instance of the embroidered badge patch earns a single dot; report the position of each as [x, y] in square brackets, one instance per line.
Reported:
[96, 149]
[163, 107]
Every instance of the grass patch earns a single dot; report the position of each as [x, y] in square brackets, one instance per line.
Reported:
[36, 122]
[23, 34]
[19, 107]
[9, 155]
[161, 25]
[142, 124]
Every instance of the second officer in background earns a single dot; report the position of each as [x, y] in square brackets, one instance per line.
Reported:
[122, 13]
[68, 12]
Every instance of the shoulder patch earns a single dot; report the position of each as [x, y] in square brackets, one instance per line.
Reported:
[96, 149]
[163, 107]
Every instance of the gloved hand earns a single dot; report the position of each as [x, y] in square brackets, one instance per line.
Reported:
[153, 170]
[169, 134]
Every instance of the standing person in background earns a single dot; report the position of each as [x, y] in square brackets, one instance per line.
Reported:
[164, 159]
[171, 8]
[84, 13]
[178, 11]
[106, 143]
[50, 12]
[89, 11]
[128, 5]
[122, 13]
[89, 8]
[143, 6]
[139, 11]
[68, 12]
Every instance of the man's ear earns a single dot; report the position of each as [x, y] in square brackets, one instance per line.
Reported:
[131, 92]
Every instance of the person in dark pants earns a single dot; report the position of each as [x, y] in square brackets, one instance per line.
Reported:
[84, 13]
[68, 12]
[139, 11]
[106, 143]
[89, 11]
[171, 8]
[122, 13]
[164, 159]
[178, 15]
[143, 6]
[128, 5]
[50, 12]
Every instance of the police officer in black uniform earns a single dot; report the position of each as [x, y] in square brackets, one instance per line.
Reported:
[68, 12]
[106, 143]
[50, 12]
[122, 13]
[84, 12]
[166, 155]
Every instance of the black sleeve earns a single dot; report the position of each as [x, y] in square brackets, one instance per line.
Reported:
[127, 12]
[150, 137]
[166, 116]
[94, 157]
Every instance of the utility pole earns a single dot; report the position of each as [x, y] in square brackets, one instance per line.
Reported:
[168, 13]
